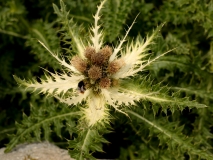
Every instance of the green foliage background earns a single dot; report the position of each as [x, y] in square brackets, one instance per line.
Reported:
[170, 134]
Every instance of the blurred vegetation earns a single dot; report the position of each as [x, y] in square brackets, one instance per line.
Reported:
[189, 69]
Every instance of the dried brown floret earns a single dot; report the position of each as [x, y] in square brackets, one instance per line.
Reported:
[97, 59]
[89, 51]
[115, 65]
[105, 82]
[106, 52]
[94, 72]
[79, 63]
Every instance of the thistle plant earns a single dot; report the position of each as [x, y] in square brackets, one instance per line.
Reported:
[96, 74]
[100, 80]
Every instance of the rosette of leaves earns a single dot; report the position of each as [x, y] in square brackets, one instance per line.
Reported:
[99, 81]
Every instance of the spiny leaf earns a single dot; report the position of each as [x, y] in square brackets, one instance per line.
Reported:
[44, 32]
[60, 83]
[114, 16]
[173, 138]
[69, 30]
[87, 140]
[32, 125]
[143, 89]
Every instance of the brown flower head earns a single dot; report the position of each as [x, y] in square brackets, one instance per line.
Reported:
[106, 52]
[94, 72]
[97, 59]
[79, 63]
[105, 82]
[89, 51]
[115, 65]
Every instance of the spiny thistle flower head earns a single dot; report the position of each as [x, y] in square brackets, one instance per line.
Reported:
[95, 72]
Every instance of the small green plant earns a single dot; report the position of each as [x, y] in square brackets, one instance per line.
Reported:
[99, 82]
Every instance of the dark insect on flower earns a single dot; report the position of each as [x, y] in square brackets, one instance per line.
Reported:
[81, 87]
